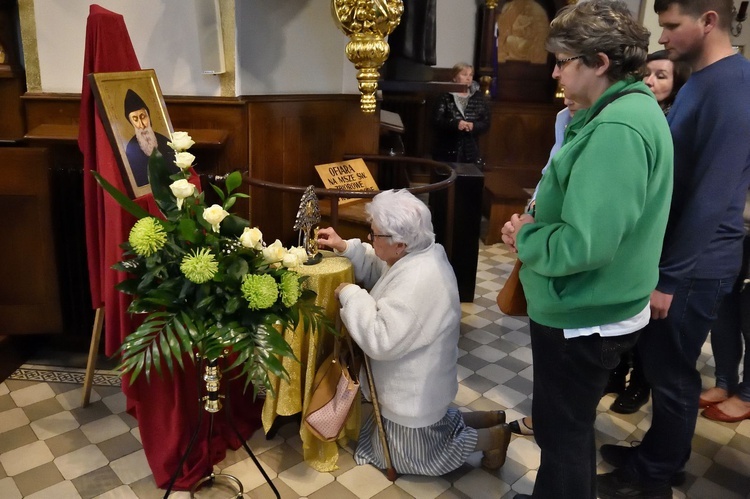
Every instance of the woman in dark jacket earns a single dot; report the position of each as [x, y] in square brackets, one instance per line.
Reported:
[460, 118]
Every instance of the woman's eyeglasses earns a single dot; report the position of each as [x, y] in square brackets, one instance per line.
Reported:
[561, 62]
[371, 235]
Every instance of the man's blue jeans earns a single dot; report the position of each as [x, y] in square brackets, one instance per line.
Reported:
[732, 326]
[669, 349]
[569, 379]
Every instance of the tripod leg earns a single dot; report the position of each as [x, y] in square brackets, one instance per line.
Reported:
[193, 439]
[230, 420]
[96, 336]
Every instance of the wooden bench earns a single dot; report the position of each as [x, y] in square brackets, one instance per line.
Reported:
[506, 191]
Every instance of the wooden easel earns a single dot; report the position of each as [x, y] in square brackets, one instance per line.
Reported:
[96, 336]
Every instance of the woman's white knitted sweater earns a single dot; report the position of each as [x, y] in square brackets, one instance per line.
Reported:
[408, 324]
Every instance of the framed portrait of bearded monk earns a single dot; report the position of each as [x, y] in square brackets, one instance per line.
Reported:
[133, 113]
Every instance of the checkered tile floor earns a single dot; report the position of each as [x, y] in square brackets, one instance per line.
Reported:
[51, 448]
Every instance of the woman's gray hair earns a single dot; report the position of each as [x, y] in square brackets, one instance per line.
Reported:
[402, 215]
[607, 26]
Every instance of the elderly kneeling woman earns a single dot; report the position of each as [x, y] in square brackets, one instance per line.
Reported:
[406, 318]
[591, 251]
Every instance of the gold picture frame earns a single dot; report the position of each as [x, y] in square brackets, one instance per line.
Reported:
[121, 99]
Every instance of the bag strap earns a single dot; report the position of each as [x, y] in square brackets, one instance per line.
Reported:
[337, 340]
[609, 100]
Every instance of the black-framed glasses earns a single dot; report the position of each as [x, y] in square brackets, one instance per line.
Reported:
[561, 62]
[371, 235]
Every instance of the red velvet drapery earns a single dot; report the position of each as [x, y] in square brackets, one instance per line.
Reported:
[167, 408]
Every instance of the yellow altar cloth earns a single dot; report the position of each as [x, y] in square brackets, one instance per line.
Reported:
[311, 349]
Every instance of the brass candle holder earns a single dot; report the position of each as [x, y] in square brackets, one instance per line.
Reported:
[367, 23]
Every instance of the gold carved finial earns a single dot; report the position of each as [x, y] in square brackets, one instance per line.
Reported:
[367, 23]
[491, 4]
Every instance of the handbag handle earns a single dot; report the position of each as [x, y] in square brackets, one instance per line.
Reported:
[337, 340]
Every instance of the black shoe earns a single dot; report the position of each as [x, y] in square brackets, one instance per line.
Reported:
[631, 400]
[519, 427]
[625, 483]
[619, 456]
[616, 382]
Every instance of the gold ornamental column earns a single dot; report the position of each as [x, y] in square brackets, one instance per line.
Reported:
[485, 71]
[367, 23]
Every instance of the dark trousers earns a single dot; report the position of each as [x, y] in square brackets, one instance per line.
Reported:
[569, 378]
[669, 349]
[731, 330]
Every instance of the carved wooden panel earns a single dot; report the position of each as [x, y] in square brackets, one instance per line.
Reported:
[521, 135]
[288, 137]
[29, 297]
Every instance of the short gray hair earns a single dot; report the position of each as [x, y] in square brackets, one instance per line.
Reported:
[607, 26]
[402, 215]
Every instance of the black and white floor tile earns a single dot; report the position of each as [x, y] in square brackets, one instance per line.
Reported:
[50, 448]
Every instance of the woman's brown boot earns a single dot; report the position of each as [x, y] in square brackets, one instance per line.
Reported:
[483, 419]
[495, 448]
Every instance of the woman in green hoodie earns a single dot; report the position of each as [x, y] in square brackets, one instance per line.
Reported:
[591, 250]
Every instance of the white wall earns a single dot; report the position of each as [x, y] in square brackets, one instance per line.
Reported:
[651, 22]
[162, 32]
[291, 46]
[456, 23]
[283, 46]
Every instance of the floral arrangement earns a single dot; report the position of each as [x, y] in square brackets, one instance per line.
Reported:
[206, 281]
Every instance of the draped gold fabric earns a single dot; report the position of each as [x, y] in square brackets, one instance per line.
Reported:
[311, 349]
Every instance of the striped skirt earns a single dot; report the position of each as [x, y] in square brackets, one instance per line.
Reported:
[433, 450]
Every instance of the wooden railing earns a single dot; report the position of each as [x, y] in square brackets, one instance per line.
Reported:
[386, 161]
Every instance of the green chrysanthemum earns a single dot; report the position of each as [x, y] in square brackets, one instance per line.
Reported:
[147, 236]
[260, 290]
[199, 266]
[289, 289]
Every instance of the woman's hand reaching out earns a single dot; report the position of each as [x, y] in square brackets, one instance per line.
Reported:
[327, 238]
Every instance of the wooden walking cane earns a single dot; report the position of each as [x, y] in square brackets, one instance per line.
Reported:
[390, 471]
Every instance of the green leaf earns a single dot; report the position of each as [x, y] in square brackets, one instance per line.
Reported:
[128, 286]
[233, 181]
[174, 346]
[158, 177]
[233, 226]
[188, 230]
[164, 347]
[184, 336]
[219, 192]
[229, 203]
[128, 204]
[156, 356]
[233, 304]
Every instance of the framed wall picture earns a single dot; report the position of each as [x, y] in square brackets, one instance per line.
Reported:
[133, 112]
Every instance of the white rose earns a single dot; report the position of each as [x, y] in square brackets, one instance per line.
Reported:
[252, 238]
[290, 260]
[214, 215]
[300, 252]
[181, 141]
[273, 253]
[184, 160]
[182, 189]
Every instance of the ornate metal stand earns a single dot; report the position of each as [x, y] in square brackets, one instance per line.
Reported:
[308, 217]
[212, 404]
